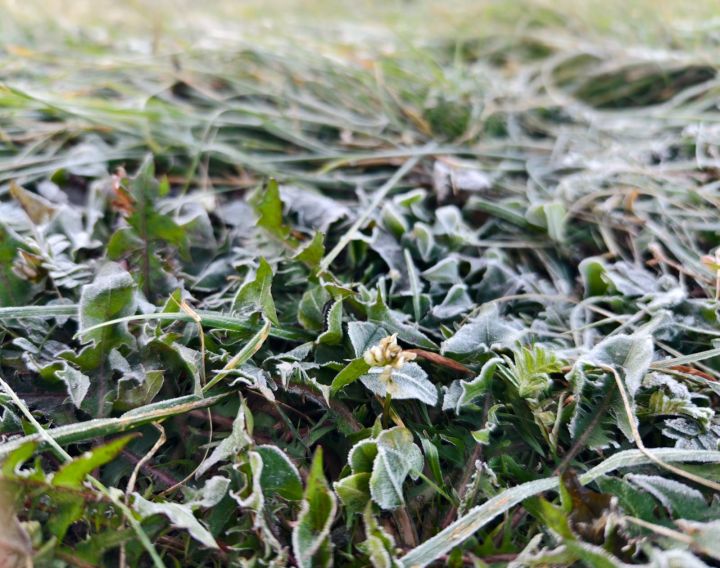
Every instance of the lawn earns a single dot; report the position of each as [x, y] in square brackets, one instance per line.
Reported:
[386, 284]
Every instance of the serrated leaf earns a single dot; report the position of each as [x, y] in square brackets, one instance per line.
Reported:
[312, 253]
[73, 473]
[311, 536]
[463, 393]
[17, 457]
[230, 446]
[269, 208]
[256, 295]
[334, 333]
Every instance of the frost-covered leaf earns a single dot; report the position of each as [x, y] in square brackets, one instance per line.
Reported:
[314, 210]
[237, 440]
[677, 498]
[396, 322]
[333, 323]
[456, 302]
[446, 271]
[77, 383]
[180, 517]
[409, 381]
[256, 294]
[354, 492]
[379, 546]
[488, 331]
[363, 335]
[110, 296]
[705, 536]
[551, 216]
[397, 457]
[311, 536]
[279, 474]
[462, 393]
[211, 493]
[628, 354]
[688, 434]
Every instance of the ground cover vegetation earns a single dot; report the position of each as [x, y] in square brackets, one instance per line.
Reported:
[365, 300]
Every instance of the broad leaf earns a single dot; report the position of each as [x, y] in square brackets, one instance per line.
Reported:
[409, 381]
[486, 332]
[397, 457]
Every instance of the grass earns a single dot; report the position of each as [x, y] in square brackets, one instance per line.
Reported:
[388, 284]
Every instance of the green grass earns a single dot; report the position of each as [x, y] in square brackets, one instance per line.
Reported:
[214, 219]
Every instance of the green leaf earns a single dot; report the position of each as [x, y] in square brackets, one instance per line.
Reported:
[312, 253]
[311, 308]
[110, 296]
[397, 457]
[311, 536]
[464, 393]
[354, 492]
[256, 295]
[269, 208]
[73, 473]
[679, 499]
[433, 458]
[362, 455]
[279, 474]
[379, 546]
[17, 457]
[550, 515]
[14, 291]
[551, 216]
[80, 431]
[334, 333]
[349, 374]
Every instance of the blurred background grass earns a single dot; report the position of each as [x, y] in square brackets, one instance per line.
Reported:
[170, 24]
